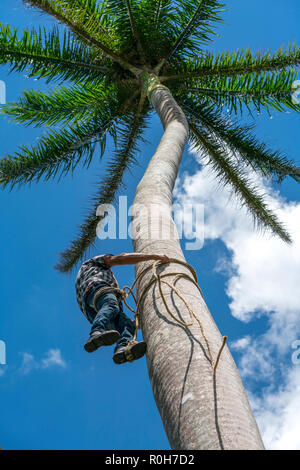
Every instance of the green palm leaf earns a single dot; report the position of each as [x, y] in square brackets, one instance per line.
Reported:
[91, 32]
[252, 90]
[125, 156]
[55, 154]
[230, 174]
[234, 63]
[49, 55]
[95, 12]
[195, 25]
[241, 142]
[155, 20]
[76, 103]
[126, 12]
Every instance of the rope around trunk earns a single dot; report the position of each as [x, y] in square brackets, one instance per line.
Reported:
[159, 278]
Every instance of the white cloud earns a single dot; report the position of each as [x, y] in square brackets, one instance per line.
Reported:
[263, 271]
[259, 360]
[53, 358]
[28, 363]
[262, 280]
[241, 343]
[277, 413]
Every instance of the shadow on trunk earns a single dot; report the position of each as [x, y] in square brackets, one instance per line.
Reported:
[193, 340]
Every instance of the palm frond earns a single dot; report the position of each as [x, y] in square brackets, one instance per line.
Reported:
[135, 31]
[159, 8]
[125, 156]
[126, 15]
[92, 13]
[230, 174]
[240, 62]
[254, 91]
[50, 55]
[55, 154]
[195, 25]
[156, 24]
[118, 9]
[241, 142]
[76, 103]
[96, 13]
[90, 32]
[94, 9]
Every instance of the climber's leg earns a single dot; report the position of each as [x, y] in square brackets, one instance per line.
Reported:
[126, 349]
[103, 332]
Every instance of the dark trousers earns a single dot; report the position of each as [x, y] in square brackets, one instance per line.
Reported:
[110, 316]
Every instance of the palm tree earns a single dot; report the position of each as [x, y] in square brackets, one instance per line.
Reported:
[121, 59]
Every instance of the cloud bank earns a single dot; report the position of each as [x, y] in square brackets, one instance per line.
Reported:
[262, 275]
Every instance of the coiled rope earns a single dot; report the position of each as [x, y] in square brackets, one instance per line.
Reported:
[160, 279]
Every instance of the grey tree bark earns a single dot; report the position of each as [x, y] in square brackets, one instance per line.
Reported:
[198, 410]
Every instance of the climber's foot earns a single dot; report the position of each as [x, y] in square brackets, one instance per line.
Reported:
[98, 338]
[131, 352]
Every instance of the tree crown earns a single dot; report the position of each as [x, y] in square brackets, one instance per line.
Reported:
[106, 53]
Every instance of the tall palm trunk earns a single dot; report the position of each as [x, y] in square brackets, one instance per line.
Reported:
[198, 410]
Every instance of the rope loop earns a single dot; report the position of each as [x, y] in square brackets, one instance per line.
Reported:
[160, 279]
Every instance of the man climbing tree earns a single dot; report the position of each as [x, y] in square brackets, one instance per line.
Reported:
[123, 61]
[98, 296]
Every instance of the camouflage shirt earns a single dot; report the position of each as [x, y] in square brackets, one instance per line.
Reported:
[93, 272]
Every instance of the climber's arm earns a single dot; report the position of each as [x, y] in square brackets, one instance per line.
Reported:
[133, 258]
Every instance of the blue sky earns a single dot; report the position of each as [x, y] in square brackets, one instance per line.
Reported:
[53, 394]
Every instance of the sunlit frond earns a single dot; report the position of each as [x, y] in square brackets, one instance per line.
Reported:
[230, 174]
[130, 133]
[50, 55]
